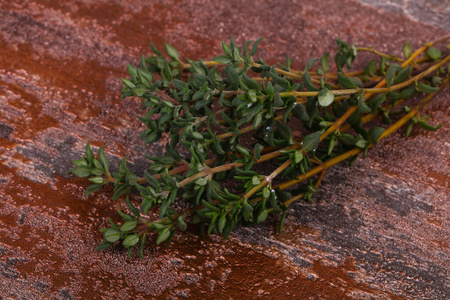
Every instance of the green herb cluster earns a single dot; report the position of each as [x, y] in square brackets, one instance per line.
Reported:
[233, 155]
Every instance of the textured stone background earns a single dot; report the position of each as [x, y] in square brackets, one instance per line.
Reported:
[377, 231]
[433, 12]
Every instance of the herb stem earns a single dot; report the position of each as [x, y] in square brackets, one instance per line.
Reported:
[268, 179]
[371, 50]
[402, 121]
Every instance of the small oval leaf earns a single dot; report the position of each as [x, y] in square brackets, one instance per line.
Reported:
[311, 141]
[163, 235]
[325, 97]
[128, 226]
[112, 235]
[130, 240]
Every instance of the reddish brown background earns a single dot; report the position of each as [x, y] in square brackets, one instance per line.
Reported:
[379, 230]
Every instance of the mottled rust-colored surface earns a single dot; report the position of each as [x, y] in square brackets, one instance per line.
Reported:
[379, 230]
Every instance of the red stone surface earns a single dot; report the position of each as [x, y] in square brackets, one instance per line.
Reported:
[378, 230]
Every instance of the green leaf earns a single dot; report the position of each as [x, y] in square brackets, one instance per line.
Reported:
[132, 70]
[226, 49]
[80, 162]
[407, 51]
[223, 59]
[273, 201]
[407, 92]
[247, 206]
[345, 81]
[257, 151]
[331, 145]
[152, 180]
[130, 240]
[263, 216]
[179, 84]
[307, 81]
[348, 139]
[243, 150]
[202, 181]
[325, 97]
[232, 76]
[324, 62]
[181, 223]
[222, 222]
[121, 190]
[252, 95]
[89, 154]
[103, 159]
[197, 135]
[425, 88]
[97, 164]
[128, 83]
[143, 63]
[133, 209]
[157, 226]
[362, 143]
[409, 128]
[284, 130]
[163, 208]
[141, 246]
[154, 49]
[377, 101]
[394, 96]
[140, 91]
[283, 217]
[374, 134]
[210, 207]
[310, 64]
[391, 72]
[251, 83]
[311, 141]
[228, 227]
[403, 75]
[103, 245]
[434, 53]
[277, 102]
[258, 120]
[81, 171]
[246, 44]
[112, 235]
[357, 81]
[269, 89]
[173, 53]
[362, 106]
[382, 66]
[163, 235]
[298, 156]
[128, 226]
[96, 180]
[299, 111]
[371, 68]
[92, 189]
[255, 46]
[125, 216]
[427, 126]
[98, 172]
[284, 83]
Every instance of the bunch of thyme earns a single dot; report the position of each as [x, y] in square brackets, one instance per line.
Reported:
[232, 154]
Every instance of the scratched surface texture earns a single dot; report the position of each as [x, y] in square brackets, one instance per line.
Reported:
[380, 230]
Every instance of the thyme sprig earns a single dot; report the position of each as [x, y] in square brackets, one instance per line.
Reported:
[246, 139]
